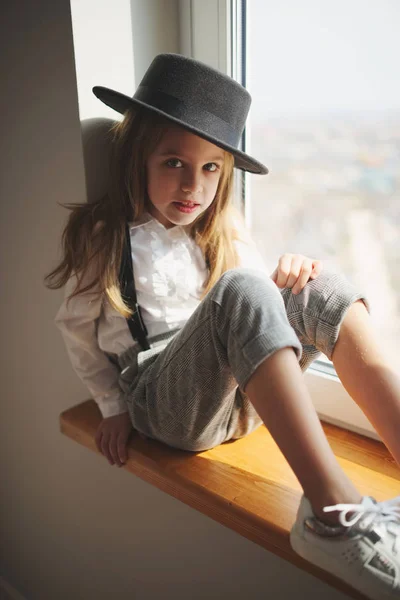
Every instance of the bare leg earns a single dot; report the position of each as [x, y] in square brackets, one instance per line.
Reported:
[278, 392]
[367, 375]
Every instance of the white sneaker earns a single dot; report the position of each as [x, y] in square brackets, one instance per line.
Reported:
[364, 552]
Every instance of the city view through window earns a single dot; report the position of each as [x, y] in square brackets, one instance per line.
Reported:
[325, 119]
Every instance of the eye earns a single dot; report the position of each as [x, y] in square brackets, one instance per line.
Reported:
[214, 165]
[175, 163]
[172, 162]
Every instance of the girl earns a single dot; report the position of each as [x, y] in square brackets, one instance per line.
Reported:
[226, 348]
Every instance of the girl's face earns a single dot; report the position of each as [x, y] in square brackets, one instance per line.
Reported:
[183, 170]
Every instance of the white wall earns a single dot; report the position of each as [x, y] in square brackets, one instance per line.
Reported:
[71, 526]
[103, 49]
[155, 29]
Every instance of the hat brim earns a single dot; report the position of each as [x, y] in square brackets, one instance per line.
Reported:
[121, 103]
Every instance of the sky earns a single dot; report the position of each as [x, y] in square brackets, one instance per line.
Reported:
[323, 55]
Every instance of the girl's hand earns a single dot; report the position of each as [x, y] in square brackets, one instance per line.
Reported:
[294, 271]
[112, 436]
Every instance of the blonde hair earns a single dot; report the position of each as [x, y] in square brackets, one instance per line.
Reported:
[92, 240]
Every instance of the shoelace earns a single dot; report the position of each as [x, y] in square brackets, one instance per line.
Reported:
[372, 513]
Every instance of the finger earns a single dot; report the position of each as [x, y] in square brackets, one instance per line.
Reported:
[114, 450]
[303, 277]
[274, 275]
[317, 268]
[295, 270]
[105, 447]
[122, 451]
[284, 266]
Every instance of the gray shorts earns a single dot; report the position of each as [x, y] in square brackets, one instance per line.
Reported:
[187, 390]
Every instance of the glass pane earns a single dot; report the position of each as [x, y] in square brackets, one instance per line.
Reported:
[325, 119]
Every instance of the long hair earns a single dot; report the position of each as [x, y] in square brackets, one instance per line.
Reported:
[92, 240]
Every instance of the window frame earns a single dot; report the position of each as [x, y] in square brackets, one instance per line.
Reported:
[211, 31]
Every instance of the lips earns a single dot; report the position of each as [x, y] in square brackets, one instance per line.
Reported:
[189, 204]
[185, 207]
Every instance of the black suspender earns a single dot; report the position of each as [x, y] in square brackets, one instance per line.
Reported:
[128, 291]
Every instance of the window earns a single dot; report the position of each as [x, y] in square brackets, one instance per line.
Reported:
[325, 119]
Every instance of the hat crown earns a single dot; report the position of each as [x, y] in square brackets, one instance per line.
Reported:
[194, 96]
[203, 87]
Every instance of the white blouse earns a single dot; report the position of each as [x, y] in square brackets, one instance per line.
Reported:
[170, 273]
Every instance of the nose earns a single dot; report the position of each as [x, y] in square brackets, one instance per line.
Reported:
[191, 183]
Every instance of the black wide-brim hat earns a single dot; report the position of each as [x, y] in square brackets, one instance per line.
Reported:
[195, 96]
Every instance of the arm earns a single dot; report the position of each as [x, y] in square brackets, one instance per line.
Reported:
[78, 326]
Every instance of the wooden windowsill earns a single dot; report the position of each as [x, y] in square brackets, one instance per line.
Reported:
[247, 485]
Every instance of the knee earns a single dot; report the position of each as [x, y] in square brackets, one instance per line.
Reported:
[317, 311]
[328, 278]
[243, 281]
[243, 291]
[329, 288]
[331, 294]
[316, 291]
